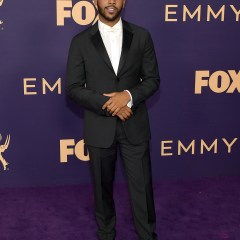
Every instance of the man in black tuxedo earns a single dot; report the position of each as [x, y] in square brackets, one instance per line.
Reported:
[111, 71]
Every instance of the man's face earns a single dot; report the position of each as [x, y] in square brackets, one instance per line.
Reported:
[110, 10]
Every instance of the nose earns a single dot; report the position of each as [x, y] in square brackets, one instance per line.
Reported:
[112, 1]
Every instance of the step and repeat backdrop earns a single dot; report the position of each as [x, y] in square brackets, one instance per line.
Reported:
[194, 116]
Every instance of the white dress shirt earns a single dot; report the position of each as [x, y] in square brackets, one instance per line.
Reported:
[112, 39]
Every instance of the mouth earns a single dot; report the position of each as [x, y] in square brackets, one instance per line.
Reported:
[111, 10]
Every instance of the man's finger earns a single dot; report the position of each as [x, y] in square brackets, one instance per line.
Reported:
[129, 113]
[116, 111]
[125, 115]
[110, 94]
[121, 117]
[106, 103]
[111, 107]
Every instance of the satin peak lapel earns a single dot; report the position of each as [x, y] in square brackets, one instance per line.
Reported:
[127, 40]
[99, 45]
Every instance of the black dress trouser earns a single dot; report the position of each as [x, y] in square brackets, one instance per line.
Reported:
[137, 165]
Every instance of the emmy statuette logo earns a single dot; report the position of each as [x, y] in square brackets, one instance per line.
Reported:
[3, 148]
[1, 21]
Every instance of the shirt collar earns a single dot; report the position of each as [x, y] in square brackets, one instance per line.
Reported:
[103, 28]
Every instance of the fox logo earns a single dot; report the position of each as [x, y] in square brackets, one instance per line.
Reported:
[3, 148]
[83, 12]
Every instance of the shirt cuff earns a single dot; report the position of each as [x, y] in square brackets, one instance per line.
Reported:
[130, 103]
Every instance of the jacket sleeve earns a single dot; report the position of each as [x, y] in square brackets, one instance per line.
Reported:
[150, 79]
[76, 82]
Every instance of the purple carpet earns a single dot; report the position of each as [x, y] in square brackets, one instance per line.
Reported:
[205, 209]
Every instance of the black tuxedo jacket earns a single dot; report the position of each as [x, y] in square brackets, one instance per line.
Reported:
[89, 74]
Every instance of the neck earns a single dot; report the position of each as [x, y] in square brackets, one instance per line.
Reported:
[107, 22]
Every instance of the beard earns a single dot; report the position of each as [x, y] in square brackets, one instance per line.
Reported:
[109, 17]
